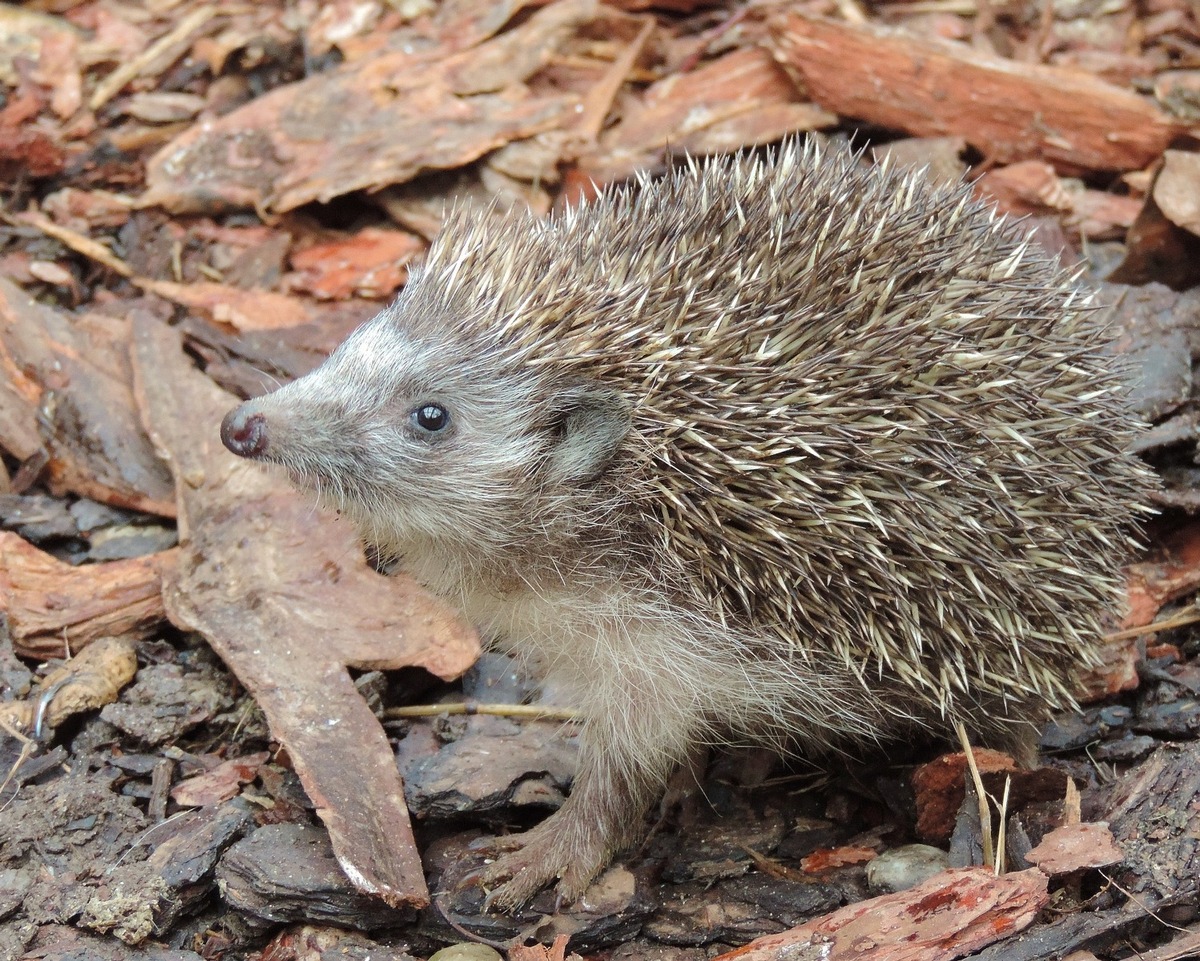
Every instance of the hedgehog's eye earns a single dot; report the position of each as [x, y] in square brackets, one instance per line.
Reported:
[431, 418]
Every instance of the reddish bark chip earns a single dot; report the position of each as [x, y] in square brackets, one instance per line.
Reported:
[66, 391]
[53, 608]
[939, 788]
[1076, 847]
[951, 915]
[1008, 110]
[370, 124]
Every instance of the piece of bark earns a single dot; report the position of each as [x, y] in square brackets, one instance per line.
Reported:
[1185, 945]
[494, 766]
[1151, 328]
[1156, 249]
[1075, 847]
[65, 390]
[1177, 189]
[287, 872]
[1100, 930]
[370, 263]
[221, 783]
[258, 360]
[369, 124]
[285, 596]
[53, 608]
[139, 899]
[1008, 110]
[740, 99]
[1099, 215]
[1154, 815]
[168, 700]
[22, 33]
[1023, 188]
[733, 910]
[1115, 673]
[241, 309]
[88, 681]
[28, 150]
[939, 157]
[939, 787]
[1172, 571]
[949, 916]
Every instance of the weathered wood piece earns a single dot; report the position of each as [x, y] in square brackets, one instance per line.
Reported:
[376, 122]
[287, 873]
[951, 915]
[1154, 815]
[145, 897]
[65, 390]
[285, 596]
[1008, 110]
[741, 99]
[53, 608]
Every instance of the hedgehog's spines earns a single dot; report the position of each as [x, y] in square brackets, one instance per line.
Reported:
[871, 422]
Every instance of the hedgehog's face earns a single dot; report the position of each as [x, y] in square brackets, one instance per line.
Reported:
[421, 439]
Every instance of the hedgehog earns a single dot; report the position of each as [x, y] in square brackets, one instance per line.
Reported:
[776, 447]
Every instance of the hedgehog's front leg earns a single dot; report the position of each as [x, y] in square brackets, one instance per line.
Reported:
[638, 728]
[601, 816]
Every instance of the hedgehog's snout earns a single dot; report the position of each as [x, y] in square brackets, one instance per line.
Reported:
[244, 431]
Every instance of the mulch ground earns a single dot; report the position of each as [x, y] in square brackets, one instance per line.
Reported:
[224, 734]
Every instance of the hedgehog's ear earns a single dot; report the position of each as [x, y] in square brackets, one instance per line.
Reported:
[589, 424]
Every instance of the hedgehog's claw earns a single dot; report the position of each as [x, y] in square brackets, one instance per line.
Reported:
[535, 859]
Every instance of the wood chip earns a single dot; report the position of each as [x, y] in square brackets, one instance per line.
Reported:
[372, 123]
[66, 390]
[949, 916]
[1076, 847]
[740, 99]
[285, 597]
[54, 608]
[1153, 812]
[370, 263]
[1008, 110]
[1177, 189]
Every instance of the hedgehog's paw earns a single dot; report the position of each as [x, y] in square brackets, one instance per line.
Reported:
[550, 852]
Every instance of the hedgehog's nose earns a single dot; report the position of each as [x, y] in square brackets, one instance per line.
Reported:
[245, 432]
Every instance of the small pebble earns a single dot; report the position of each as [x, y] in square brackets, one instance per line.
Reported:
[467, 951]
[904, 867]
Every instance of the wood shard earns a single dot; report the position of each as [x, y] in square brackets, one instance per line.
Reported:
[741, 99]
[1009, 111]
[54, 608]
[65, 388]
[951, 915]
[1153, 812]
[369, 124]
[1076, 847]
[284, 595]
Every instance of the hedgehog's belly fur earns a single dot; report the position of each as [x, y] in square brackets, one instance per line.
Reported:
[608, 645]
